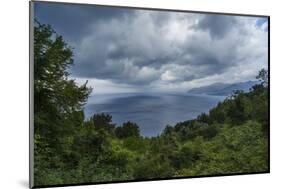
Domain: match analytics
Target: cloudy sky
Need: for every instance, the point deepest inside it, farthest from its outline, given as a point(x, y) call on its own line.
point(126, 50)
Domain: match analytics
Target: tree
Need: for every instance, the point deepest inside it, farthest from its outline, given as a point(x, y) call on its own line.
point(58, 102)
point(263, 76)
point(56, 98)
point(128, 129)
point(102, 122)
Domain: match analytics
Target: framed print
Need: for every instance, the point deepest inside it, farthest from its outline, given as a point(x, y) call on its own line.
point(122, 94)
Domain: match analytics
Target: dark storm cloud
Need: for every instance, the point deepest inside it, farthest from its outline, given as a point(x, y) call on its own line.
point(123, 47)
point(143, 48)
point(73, 20)
point(217, 25)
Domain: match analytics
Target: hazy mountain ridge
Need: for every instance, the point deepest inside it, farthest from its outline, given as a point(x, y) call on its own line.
point(223, 89)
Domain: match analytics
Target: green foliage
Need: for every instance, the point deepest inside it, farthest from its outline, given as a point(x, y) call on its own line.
point(58, 106)
point(102, 122)
point(263, 77)
point(150, 167)
point(231, 138)
point(128, 129)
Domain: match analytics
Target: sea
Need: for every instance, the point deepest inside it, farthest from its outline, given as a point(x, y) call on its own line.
point(151, 111)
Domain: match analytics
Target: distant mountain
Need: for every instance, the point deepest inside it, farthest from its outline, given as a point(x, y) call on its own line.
point(223, 89)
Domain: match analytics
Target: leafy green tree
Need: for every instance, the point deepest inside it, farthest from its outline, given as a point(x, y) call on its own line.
point(203, 117)
point(58, 102)
point(153, 167)
point(218, 114)
point(102, 122)
point(56, 98)
point(128, 129)
point(263, 77)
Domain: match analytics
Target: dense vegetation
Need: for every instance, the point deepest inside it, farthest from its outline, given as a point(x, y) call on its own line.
point(231, 138)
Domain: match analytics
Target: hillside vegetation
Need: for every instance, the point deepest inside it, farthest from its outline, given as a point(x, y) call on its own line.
point(230, 138)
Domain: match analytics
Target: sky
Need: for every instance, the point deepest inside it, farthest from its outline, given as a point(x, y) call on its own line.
point(120, 50)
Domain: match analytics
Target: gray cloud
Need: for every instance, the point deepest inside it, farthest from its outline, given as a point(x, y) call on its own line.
point(162, 49)
point(217, 25)
point(73, 21)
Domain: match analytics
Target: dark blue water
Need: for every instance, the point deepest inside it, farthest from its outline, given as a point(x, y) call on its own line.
point(152, 112)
